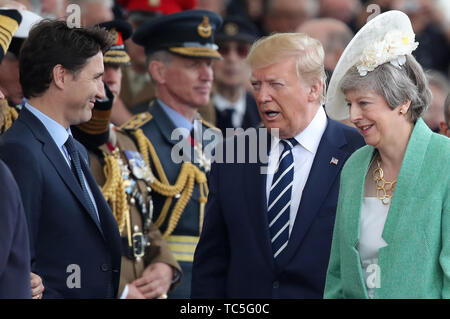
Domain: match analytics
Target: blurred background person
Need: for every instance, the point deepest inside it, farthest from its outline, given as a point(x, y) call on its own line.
point(10, 85)
point(440, 88)
point(445, 125)
point(251, 10)
point(94, 11)
point(49, 9)
point(344, 10)
point(334, 36)
point(159, 6)
point(9, 67)
point(136, 87)
point(234, 105)
point(287, 15)
point(217, 6)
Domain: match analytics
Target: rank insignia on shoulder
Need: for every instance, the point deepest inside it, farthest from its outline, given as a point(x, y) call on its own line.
point(138, 166)
point(136, 121)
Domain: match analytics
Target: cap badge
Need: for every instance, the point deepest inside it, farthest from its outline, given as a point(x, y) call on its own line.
point(204, 29)
point(114, 35)
point(154, 3)
point(231, 29)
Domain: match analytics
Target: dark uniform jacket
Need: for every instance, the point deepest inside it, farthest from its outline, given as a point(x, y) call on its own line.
point(158, 128)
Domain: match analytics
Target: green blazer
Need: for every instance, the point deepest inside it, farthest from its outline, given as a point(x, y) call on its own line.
point(416, 261)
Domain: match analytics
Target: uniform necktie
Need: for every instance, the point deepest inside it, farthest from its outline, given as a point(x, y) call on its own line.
point(76, 170)
point(280, 199)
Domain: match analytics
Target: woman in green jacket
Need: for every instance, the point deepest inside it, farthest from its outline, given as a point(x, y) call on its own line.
point(392, 230)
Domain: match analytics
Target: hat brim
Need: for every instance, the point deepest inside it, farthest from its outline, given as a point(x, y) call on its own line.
point(116, 57)
point(196, 52)
point(372, 31)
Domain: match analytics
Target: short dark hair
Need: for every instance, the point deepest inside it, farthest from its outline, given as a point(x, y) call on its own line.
point(53, 42)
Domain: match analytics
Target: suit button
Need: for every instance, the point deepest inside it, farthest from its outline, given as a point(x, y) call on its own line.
point(276, 284)
point(105, 267)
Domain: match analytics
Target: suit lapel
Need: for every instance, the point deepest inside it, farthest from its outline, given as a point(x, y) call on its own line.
point(321, 177)
point(55, 157)
point(407, 179)
point(255, 190)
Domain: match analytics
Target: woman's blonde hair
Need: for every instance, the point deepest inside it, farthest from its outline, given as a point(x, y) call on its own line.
point(279, 46)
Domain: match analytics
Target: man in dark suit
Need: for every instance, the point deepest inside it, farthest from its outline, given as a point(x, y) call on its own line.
point(74, 239)
point(268, 229)
point(234, 106)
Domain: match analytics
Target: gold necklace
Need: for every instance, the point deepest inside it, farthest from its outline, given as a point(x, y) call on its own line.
point(385, 189)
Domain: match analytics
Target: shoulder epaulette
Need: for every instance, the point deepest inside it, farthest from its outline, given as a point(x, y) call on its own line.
point(136, 121)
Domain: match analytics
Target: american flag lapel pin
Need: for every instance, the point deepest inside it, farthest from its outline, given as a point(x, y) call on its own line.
point(334, 161)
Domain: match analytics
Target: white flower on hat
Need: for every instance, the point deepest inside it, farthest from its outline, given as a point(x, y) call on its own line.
point(393, 48)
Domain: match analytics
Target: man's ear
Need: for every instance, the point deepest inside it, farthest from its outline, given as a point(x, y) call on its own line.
point(157, 70)
point(60, 76)
point(315, 90)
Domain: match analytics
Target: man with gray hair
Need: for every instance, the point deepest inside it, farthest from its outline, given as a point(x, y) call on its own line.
point(267, 233)
point(180, 49)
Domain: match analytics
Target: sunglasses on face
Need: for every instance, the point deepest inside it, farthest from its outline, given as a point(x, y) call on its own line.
point(240, 48)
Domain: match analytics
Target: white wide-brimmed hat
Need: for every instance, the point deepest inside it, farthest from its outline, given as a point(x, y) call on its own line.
point(388, 37)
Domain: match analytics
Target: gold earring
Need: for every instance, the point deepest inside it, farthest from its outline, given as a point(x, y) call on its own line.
point(401, 112)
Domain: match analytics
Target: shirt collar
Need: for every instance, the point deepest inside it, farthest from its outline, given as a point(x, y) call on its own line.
point(177, 119)
point(310, 137)
point(223, 104)
point(58, 133)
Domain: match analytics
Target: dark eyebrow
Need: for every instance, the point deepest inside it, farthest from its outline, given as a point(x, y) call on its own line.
point(100, 74)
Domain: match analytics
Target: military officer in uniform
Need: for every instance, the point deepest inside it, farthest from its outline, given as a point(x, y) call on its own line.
point(12, 95)
point(148, 267)
point(180, 49)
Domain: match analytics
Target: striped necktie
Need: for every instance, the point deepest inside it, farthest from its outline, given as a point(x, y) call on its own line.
point(280, 199)
point(77, 171)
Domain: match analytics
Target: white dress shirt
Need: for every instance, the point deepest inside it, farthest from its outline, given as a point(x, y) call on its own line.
point(303, 154)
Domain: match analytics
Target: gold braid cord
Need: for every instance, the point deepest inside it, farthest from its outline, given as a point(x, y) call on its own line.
point(184, 185)
point(7, 117)
point(114, 191)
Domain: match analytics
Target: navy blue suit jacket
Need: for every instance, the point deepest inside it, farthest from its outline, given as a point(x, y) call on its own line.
point(14, 246)
point(64, 237)
point(234, 257)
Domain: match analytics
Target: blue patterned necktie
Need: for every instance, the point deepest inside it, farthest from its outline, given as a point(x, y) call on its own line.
point(76, 170)
point(280, 199)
